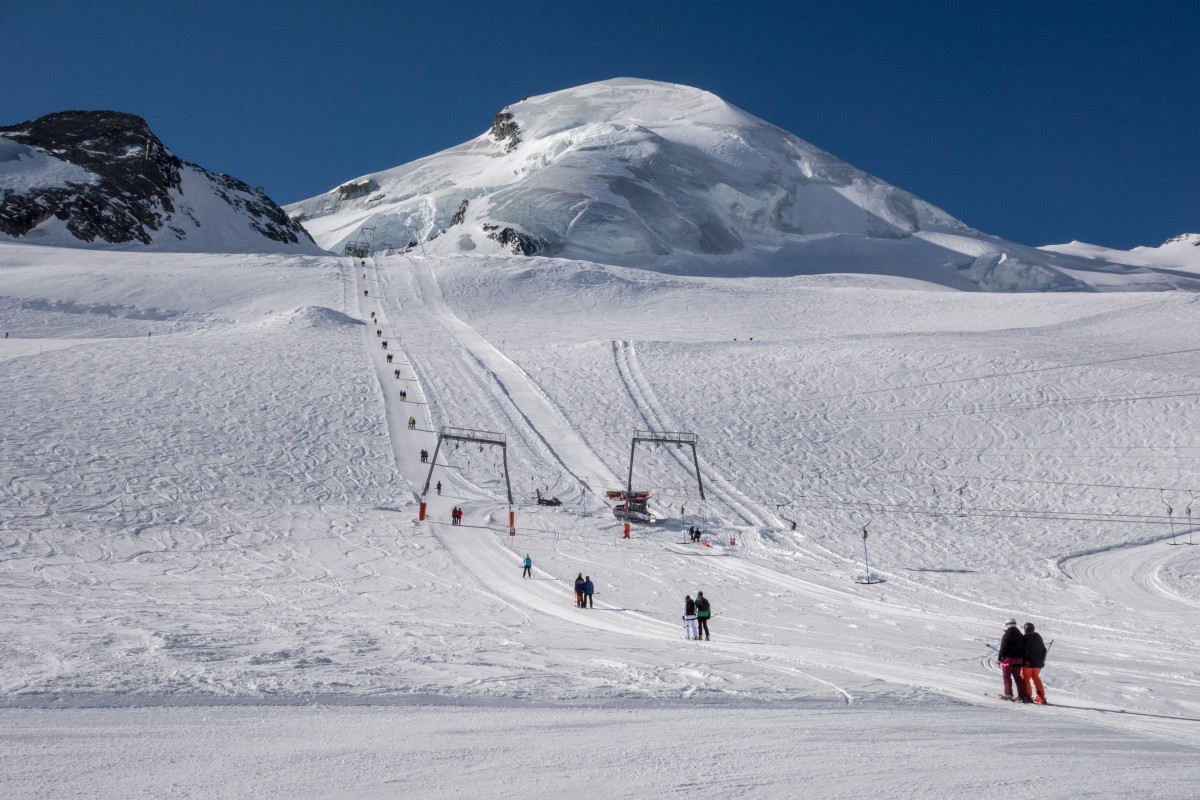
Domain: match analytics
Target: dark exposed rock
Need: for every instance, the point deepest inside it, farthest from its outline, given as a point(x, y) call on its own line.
point(520, 243)
point(461, 214)
point(135, 185)
point(505, 129)
point(353, 189)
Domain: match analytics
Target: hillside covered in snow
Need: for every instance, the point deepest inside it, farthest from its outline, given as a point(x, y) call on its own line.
point(216, 580)
point(672, 179)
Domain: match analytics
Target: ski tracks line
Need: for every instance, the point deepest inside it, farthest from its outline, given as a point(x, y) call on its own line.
point(648, 407)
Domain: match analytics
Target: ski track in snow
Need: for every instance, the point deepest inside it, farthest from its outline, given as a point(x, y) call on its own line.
point(641, 397)
point(225, 513)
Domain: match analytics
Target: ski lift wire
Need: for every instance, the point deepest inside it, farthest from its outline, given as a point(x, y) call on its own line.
point(1001, 375)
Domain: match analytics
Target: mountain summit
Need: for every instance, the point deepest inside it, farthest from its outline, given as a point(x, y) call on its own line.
point(103, 178)
point(669, 178)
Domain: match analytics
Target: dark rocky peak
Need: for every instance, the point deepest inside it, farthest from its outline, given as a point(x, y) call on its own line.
point(136, 191)
point(110, 144)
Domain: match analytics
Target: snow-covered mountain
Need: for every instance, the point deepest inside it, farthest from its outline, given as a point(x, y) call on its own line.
point(103, 179)
point(670, 178)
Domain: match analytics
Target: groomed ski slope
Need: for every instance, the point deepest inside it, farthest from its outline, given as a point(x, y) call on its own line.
point(211, 546)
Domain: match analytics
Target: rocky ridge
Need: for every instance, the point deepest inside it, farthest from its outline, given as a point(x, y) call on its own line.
point(123, 185)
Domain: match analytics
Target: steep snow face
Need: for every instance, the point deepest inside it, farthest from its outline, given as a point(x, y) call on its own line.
point(102, 179)
point(669, 178)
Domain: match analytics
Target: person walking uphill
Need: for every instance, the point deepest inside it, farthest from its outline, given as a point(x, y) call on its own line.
point(1011, 656)
point(1035, 659)
point(703, 612)
point(690, 631)
point(579, 590)
point(527, 568)
point(588, 589)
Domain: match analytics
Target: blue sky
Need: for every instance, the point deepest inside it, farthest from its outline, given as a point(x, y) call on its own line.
point(1038, 122)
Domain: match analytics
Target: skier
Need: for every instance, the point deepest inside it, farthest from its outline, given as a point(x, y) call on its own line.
point(412, 423)
point(424, 455)
point(527, 569)
point(378, 333)
point(1011, 656)
point(395, 372)
point(389, 358)
point(1035, 659)
point(579, 590)
point(439, 488)
point(691, 533)
point(690, 631)
point(703, 612)
point(588, 589)
point(385, 344)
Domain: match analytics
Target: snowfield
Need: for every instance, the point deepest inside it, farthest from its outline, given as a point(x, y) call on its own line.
point(216, 584)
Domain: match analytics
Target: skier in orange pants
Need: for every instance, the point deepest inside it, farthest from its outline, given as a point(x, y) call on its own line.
point(1035, 659)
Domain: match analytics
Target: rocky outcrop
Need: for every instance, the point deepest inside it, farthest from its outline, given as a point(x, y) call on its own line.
point(125, 185)
point(352, 189)
point(518, 242)
point(461, 214)
point(1190, 238)
point(506, 131)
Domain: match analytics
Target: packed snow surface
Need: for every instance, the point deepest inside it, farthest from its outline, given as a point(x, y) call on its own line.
point(216, 584)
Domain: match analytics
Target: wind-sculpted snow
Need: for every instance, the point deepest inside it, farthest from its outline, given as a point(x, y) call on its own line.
point(313, 317)
point(224, 514)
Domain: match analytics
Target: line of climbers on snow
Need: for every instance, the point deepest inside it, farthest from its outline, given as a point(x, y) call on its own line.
point(456, 513)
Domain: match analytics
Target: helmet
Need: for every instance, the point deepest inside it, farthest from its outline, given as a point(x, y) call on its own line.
point(1011, 623)
point(1029, 627)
